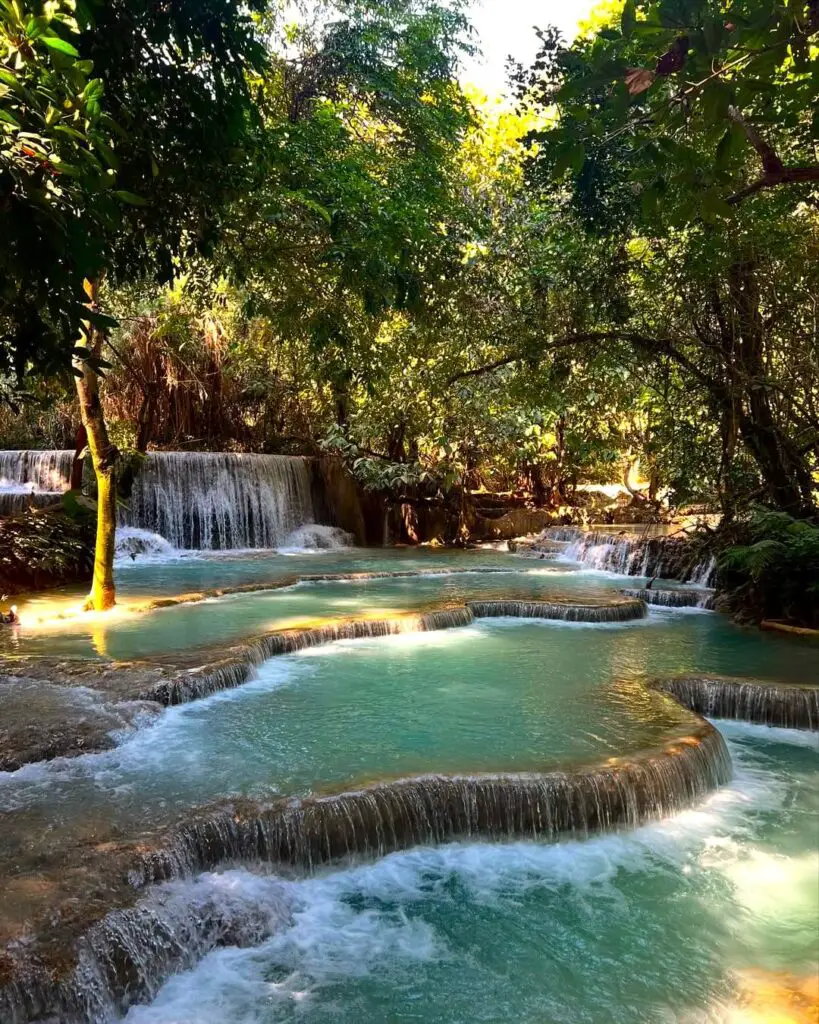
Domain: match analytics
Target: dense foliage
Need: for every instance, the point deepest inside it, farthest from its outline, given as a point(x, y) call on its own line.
point(45, 548)
point(313, 239)
point(771, 571)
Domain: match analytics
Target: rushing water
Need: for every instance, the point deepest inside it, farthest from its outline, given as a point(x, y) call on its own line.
point(673, 922)
point(190, 500)
point(676, 922)
point(32, 478)
point(229, 619)
point(210, 501)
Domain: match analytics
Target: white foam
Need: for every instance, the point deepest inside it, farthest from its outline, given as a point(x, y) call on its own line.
point(134, 545)
point(408, 640)
point(767, 733)
point(314, 537)
point(355, 923)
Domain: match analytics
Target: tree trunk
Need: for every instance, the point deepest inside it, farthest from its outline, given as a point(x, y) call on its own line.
point(104, 458)
point(145, 418)
point(783, 468)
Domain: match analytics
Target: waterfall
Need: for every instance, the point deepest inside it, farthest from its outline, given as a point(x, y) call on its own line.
point(622, 610)
point(235, 671)
point(699, 598)
point(126, 957)
point(128, 954)
point(33, 478)
point(665, 557)
point(790, 707)
point(221, 501)
point(240, 667)
point(434, 809)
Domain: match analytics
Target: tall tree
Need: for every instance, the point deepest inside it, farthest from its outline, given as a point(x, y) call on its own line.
point(163, 137)
point(683, 142)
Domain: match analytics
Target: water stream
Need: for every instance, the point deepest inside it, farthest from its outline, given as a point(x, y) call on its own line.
point(691, 921)
point(344, 752)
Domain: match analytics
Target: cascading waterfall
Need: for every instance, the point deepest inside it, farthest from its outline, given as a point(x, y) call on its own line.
point(790, 707)
point(127, 955)
point(673, 598)
point(219, 501)
point(384, 817)
point(237, 670)
point(615, 611)
point(33, 478)
point(665, 557)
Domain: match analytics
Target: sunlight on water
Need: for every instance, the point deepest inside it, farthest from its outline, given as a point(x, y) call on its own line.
point(484, 932)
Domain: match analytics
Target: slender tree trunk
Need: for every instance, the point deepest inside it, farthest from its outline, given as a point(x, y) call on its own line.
point(145, 418)
point(104, 458)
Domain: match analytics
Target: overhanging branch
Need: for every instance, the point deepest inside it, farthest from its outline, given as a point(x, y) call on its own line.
point(636, 339)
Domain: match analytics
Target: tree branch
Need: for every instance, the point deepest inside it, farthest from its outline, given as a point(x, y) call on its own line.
point(774, 171)
point(638, 340)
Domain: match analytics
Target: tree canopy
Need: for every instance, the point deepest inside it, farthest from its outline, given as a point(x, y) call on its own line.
point(314, 239)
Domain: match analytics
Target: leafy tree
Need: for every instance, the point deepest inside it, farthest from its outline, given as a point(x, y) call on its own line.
point(171, 116)
point(771, 569)
point(683, 147)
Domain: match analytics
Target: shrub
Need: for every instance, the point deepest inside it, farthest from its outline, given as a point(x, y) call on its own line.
point(773, 572)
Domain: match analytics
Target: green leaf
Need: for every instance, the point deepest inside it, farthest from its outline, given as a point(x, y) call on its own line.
point(36, 27)
point(130, 198)
point(716, 98)
point(60, 45)
point(101, 320)
point(713, 207)
point(9, 118)
point(650, 199)
point(729, 146)
point(570, 157)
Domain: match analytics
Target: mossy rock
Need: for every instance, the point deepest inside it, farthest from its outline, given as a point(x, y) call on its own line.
point(42, 548)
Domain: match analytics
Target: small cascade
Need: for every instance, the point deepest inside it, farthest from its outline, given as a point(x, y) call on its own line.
point(219, 501)
point(446, 618)
point(127, 956)
point(623, 610)
point(379, 819)
point(663, 557)
point(789, 707)
point(238, 670)
point(394, 574)
point(699, 598)
point(133, 544)
point(314, 537)
point(706, 574)
point(33, 478)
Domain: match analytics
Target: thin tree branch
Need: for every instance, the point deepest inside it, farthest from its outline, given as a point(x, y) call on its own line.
point(774, 171)
point(640, 341)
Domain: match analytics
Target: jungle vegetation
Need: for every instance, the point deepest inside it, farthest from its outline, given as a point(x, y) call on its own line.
point(224, 229)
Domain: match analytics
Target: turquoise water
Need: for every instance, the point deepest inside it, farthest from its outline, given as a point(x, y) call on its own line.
point(659, 925)
point(665, 924)
point(215, 623)
point(233, 617)
point(501, 694)
point(488, 697)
